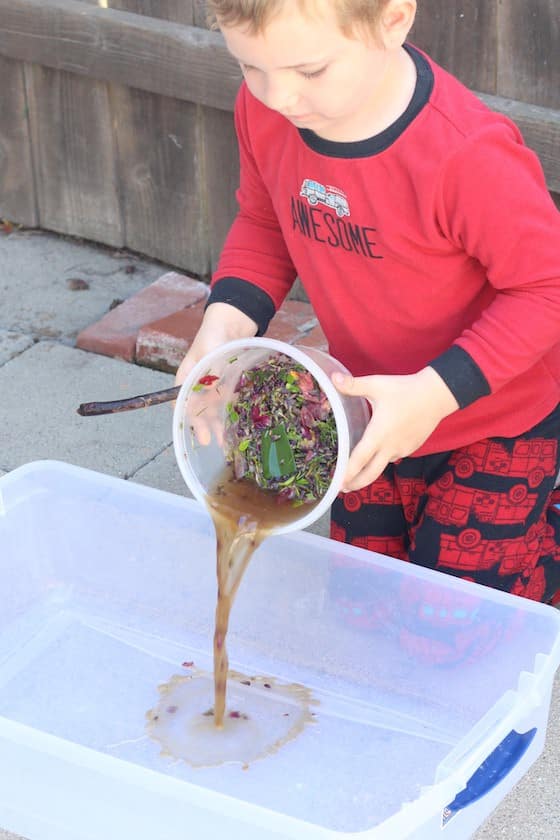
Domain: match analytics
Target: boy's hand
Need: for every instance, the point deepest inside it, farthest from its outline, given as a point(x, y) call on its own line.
point(405, 411)
point(221, 323)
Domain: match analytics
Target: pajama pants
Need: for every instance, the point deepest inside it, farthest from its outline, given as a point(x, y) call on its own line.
point(485, 512)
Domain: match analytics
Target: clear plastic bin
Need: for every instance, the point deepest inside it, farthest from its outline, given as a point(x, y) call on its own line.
point(433, 695)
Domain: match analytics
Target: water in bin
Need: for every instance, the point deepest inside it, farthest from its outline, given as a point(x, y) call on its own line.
point(262, 438)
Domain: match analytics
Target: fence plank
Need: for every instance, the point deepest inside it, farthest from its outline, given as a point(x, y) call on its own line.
point(157, 141)
point(541, 131)
point(178, 11)
point(200, 13)
point(529, 52)
point(175, 160)
point(218, 150)
point(184, 62)
point(461, 37)
point(17, 196)
point(73, 155)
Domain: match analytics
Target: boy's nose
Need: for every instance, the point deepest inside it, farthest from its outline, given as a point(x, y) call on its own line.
point(280, 96)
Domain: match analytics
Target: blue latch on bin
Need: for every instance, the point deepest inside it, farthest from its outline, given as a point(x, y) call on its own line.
point(492, 770)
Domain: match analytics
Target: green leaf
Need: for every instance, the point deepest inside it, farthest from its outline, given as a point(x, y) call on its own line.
point(287, 481)
point(276, 455)
point(232, 414)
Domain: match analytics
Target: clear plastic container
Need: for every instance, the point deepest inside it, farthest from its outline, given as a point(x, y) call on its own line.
point(109, 589)
point(201, 463)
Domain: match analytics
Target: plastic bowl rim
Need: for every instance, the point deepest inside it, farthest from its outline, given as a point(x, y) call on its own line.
point(335, 400)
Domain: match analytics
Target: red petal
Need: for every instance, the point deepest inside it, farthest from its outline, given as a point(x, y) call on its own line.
point(260, 421)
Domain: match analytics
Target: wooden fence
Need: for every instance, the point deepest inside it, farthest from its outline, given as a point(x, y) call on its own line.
point(116, 124)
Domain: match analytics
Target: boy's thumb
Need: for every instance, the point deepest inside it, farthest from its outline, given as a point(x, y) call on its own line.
point(344, 383)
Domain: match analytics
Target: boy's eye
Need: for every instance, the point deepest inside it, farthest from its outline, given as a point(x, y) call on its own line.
point(246, 68)
point(314, 74)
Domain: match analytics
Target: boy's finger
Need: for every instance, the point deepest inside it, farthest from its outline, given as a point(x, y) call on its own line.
point(354, 386)
point(359, 473)
point(370, 472)
point(217, 427)
point(360, 457)
point(345, 383)
point(201, 431)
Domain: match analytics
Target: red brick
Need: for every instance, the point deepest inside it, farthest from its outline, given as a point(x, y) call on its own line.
point(316, 338)
point(292, 321)
point(163, 343)
point(116, 333)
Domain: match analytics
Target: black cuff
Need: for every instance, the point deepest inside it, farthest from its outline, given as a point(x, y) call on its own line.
point(246, 297)
point(462, 375)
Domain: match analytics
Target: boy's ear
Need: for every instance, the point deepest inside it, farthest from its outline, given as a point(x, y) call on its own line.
point(396, 22)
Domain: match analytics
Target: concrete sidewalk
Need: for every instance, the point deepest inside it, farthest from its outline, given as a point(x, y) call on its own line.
point(51, 290)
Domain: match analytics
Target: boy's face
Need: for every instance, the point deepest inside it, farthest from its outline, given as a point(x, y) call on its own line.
point(305, 68)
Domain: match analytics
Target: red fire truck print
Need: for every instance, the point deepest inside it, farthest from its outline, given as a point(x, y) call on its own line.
point(384, 492)
point(533, 459)
point(534, 588)
point(391, 546)
point(452, 504)
point(445, 628)
point(411, 492)
point(337, 532)
point(468, 552)
point(381, 492)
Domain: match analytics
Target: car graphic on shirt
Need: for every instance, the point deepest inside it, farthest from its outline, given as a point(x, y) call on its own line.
point(317, 193)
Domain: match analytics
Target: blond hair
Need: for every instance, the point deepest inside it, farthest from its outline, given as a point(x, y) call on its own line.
point(257, 14)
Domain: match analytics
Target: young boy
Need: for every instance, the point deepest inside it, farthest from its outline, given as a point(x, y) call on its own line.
point(422, 230)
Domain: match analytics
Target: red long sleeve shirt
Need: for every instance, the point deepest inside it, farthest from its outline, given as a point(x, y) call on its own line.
point(435, 242)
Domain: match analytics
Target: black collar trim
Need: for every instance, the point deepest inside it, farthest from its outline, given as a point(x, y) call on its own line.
point(379, 142)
